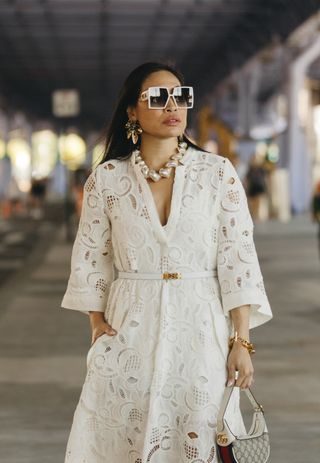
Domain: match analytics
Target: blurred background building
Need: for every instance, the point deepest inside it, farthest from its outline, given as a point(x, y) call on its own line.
point(255, 67)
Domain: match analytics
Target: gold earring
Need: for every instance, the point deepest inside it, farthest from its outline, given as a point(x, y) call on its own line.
point(133, 130)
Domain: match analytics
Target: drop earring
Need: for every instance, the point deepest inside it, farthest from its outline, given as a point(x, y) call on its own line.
point(133, 130)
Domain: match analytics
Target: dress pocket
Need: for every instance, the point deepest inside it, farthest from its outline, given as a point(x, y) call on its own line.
point(93, 347)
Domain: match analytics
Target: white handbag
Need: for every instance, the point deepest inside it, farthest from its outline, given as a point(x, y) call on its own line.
point(253, 447)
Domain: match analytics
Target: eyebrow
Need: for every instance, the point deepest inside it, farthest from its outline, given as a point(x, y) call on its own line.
point(170, 88)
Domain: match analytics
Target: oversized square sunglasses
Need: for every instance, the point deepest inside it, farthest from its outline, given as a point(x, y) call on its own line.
point(158, 97)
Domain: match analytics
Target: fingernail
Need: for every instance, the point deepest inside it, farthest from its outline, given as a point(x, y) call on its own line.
point(230, 382)
point(113, 332)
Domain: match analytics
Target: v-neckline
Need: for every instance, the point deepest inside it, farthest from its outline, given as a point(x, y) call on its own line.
point(154, 205)
point(164, 231)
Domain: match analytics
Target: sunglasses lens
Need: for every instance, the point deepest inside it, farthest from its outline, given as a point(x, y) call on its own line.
point(183, 96)
point(158, 97)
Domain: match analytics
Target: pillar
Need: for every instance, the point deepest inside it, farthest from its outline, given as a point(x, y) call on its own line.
point(299, 157)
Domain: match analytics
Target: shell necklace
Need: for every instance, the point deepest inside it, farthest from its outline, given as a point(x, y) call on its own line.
point(165, 171)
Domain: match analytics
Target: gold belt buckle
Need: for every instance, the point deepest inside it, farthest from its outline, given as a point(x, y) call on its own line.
point(171, 276)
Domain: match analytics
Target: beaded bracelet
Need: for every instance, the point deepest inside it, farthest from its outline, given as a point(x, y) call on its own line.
point(248, 345)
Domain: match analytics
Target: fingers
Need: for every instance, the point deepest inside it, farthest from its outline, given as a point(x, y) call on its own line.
point(245, 378)
point(109, 330)
point(101, 329)
point(240, 370)
point(231, 375)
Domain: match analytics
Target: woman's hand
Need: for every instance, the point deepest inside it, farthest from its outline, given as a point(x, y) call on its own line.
point(99, 326)
point(239, 360)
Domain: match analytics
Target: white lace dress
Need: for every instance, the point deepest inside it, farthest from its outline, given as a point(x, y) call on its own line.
point(152, 392)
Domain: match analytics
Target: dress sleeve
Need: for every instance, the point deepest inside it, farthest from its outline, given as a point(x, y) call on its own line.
point(239, 272)
point(92, 269)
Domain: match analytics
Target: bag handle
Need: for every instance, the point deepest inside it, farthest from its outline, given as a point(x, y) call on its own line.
point(258, 422)
point(226, 399)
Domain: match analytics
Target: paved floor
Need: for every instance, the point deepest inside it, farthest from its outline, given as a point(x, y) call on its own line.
point(43, 349)
point(17, 239)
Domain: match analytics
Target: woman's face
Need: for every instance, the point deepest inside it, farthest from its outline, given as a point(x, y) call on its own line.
point(156, 122)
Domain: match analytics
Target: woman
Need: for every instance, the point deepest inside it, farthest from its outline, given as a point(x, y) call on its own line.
point(256, 183)
point(166, 268)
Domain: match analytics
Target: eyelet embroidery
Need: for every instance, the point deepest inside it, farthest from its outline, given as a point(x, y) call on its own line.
point(214, 230)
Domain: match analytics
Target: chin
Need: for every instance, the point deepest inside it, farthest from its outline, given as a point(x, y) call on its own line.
point(173, 132)
point(167, 132)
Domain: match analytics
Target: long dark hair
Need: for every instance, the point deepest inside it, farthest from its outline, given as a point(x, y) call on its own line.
point(117, 146)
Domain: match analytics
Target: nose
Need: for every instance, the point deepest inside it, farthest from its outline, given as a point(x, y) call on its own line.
point(171, 105)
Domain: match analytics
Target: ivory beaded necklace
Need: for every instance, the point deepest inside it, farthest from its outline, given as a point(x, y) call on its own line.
point(165, 171)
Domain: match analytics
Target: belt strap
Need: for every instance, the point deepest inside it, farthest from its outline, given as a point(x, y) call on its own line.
point(167, 275)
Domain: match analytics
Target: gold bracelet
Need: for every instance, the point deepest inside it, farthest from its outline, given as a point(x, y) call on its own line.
point(248, 345)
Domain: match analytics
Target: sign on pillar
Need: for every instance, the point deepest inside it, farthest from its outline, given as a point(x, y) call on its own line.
point(65, 103)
